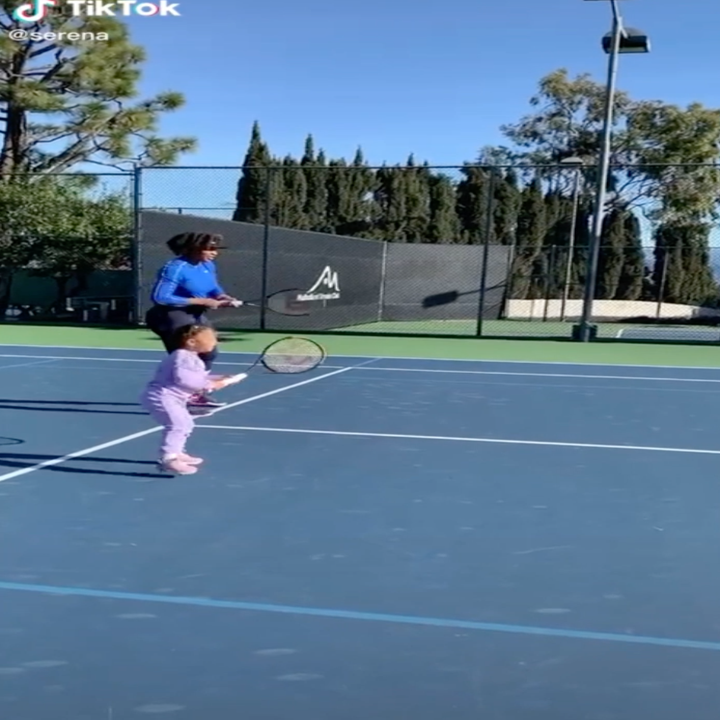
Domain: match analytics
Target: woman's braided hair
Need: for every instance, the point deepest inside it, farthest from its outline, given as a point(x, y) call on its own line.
point(188, 242)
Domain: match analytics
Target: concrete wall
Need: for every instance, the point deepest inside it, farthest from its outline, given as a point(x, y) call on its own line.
point(604, 310)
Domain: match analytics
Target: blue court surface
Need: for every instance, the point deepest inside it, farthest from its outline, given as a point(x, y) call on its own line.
point(380, 539)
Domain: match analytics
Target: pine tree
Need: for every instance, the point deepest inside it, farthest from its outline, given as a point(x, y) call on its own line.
point(252, 192)
point(531, 232)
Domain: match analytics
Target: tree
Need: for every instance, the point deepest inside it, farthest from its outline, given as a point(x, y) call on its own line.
point(52, 228)
point(472, 204)
point(682, 264)
point(288, 210)
point(664, 157)
point(443, 225)
point(68, 102)
point(256, 182)
point(316, 196)
point(531, 230)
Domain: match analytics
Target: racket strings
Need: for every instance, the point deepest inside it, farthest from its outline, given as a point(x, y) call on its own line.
point(292, 355)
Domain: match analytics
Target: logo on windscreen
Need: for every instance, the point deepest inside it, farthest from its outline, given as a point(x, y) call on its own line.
point(326, 287)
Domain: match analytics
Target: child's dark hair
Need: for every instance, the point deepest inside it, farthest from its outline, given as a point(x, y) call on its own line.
point(188, 332)
point(189, 242)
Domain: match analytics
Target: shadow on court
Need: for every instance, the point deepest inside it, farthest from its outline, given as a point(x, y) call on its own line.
point(69, 406)
point(20, 461)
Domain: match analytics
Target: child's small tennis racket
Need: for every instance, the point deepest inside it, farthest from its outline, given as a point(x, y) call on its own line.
point(287, 356)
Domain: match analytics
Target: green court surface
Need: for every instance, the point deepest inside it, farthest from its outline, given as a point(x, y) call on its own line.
point(558, 351)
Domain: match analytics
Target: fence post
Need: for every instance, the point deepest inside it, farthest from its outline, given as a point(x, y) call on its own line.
point(489, 225)
point(136, 255)
point(661, 286)
point(383, 277)
point(265, 249)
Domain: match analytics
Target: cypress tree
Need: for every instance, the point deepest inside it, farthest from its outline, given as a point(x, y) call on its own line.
point(531, 230)
point(359, 209)
point(391, 200)
point(251, 193)
point(316, 190)
point(682, 252)
point(417, 199)
point(444, 224)
point(632, 276)
point(337, 192)
point(289, 207)
point(611, 257)
point(506, 208)
point(472, 204)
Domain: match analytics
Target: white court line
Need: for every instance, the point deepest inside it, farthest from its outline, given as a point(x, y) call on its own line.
point(546, 375)
point(143, 433)
point(401, 370)
point(46, 361)
point(498, 441)
point(413, 358)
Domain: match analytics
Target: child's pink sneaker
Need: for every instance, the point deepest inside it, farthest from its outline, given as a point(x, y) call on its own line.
point(189, 459)
point(176, 466)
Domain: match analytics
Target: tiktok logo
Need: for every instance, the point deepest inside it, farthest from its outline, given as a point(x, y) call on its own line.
point(33, 11)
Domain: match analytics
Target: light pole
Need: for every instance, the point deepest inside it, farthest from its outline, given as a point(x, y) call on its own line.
point(619, 41)
point(576, 163)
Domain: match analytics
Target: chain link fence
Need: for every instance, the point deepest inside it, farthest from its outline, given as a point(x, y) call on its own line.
point(509, 245)
point(408, 250)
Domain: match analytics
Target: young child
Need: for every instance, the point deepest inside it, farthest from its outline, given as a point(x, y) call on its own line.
point(180, 375)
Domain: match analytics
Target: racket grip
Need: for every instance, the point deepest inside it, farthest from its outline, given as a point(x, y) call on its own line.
point(237, 303)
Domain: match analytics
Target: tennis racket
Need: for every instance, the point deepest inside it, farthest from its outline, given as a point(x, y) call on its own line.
point(287, 356)
point(283, 302)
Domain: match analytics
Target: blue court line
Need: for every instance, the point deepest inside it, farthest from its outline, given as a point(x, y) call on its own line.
point(363, 616)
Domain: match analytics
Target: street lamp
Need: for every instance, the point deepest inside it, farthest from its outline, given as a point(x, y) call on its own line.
point(618, 42)
point(576, 164)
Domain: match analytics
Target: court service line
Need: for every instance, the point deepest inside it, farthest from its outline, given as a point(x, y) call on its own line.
point(395, 369)
point(412, 358)
point(545, 375)
point(450, 438)
point(363, 616)
point(134, 436)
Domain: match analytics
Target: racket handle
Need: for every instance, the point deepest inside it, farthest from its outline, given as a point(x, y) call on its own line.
point(237, 303)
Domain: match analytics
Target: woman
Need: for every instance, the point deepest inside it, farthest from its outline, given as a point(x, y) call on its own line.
point(186, 287)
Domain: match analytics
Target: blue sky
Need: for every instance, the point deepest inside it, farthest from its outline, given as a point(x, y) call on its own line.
point(433, 78)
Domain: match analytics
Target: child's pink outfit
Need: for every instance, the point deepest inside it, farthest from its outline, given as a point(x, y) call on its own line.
point(179, 376)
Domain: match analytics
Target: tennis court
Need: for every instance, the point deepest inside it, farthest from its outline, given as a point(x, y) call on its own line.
point(383, 538)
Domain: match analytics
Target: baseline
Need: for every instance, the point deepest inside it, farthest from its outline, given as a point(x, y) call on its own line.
point(450, 438)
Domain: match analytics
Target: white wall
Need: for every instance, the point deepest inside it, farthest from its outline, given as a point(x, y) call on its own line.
point(608, 309)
